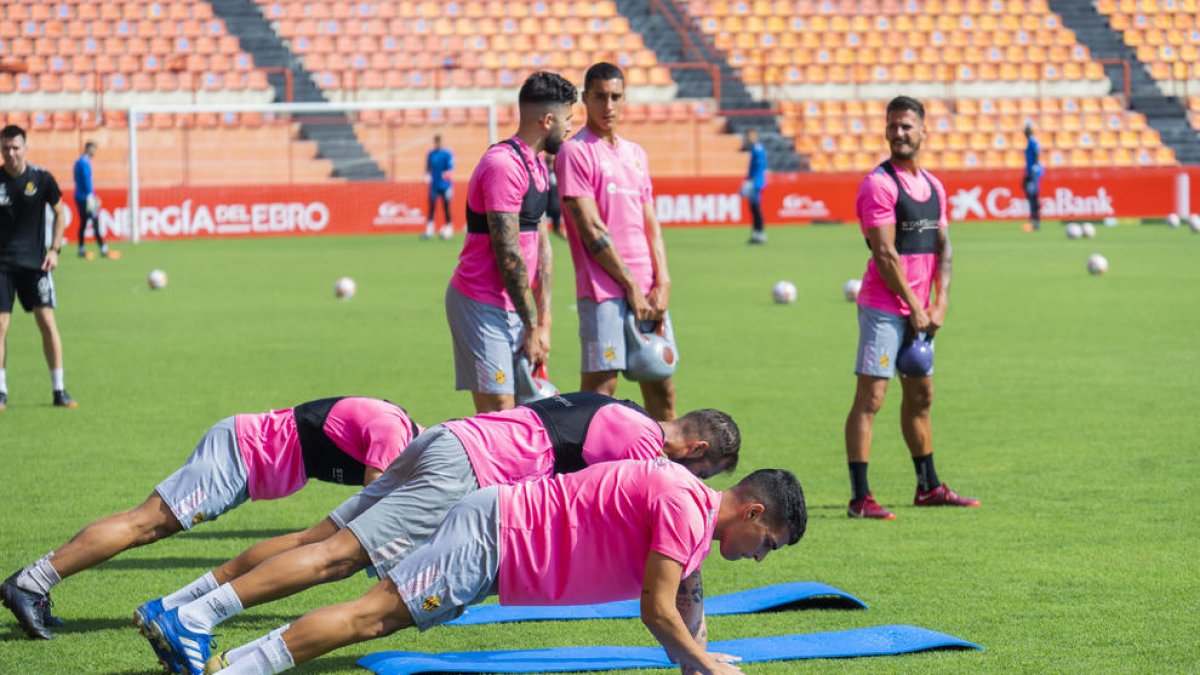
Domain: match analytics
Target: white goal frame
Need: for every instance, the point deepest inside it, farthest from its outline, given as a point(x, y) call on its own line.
point(136, 111)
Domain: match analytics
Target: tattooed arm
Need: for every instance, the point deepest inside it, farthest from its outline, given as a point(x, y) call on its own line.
point(661, 614)
point(505, 231)
point(689, 600)
point(593, 233)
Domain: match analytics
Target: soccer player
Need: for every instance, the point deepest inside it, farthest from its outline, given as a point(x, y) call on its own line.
point(389, 519)
point(489, 302)
point(610, 532)
point(25, 262)
point(902, 211)
point(262, 456)
point(86, 201)
point(1033, 176)
point(553, 204)
point(438, 165)
point(756, 180)
point(616, 241)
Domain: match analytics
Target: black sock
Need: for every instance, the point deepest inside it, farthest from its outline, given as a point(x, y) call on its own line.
point(926, 475)
point(858, 480)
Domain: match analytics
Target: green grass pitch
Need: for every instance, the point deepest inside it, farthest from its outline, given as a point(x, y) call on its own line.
point(1066, 402)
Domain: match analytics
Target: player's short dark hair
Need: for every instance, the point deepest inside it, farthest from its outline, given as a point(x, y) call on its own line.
point(720, 432)
point(88, 145)
point(547, 88)
point(780, 493)
point(602, 72)
point(12, 131)
point(901, 103)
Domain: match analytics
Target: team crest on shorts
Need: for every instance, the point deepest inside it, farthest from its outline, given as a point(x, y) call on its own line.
point(431, 603)
point(883, 360)
point(198, 518)
point(610, 354)
point(500, 377)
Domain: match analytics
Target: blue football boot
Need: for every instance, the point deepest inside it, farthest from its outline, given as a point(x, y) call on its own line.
point(187, 650)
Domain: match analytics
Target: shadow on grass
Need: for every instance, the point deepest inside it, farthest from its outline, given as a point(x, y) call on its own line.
point(334, 664)
point(237, 534)
point(162, 563)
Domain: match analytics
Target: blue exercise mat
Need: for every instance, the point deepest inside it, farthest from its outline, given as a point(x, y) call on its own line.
point(762, 599)
point(877, 641)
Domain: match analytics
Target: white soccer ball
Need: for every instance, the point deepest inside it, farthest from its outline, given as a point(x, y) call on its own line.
point(1097, 264)
point(1194, 222)
point(344, 288)
point(851, 289)
point(784, 292)
point(156, 280)
point(1089, 230)
point(446, 232)
point(1172, 220)
point(1074, 231)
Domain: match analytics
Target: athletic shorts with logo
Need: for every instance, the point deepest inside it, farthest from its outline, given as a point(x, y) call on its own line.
point(486, 338)
point(458, 566)
point(602, 334)
point(34, 288)
point(397, 512)
point(880, 335)
point(213, 481)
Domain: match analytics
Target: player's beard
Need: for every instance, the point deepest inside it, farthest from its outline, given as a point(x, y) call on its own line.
point(906, 155)
point(552, 144)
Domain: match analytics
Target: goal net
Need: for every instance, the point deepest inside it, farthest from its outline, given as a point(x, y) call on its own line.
point(236, 170)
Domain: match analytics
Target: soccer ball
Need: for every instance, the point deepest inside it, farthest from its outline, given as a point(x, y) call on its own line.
point(1088, 229)
point(157, 280)
point(1194, 223)
point(851, 289)
point(344, 288)
point(1074, 231)
point(446, 232)
point(784, 292)
point(1173, 220)
point(1097, 264)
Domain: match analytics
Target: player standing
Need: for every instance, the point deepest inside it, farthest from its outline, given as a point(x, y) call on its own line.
point(902, 212)
point(25, 262)
point(752, 188)
point(86, 201)
point(1033, 176)
point(616, 241)
point(506, 259)
point(438, 165)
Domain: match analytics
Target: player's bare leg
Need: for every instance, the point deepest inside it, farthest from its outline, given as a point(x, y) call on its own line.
point(51, 343)
point(105, 538)
point(378, 613)
point(915, 421)
point(332, 559)
point(493, 402)
point(868, 399)
point(268, 548)
point(602, 382)
point(659, 398)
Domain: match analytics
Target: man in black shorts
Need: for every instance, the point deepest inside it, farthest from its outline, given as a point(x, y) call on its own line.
point(25, 262)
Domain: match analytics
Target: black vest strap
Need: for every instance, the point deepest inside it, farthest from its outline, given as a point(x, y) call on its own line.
point(323, 459)
point(916, 222)
point(567, 418)
point(533, 204)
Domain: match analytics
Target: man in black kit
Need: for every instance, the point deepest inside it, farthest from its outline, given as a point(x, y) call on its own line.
point(25, 262)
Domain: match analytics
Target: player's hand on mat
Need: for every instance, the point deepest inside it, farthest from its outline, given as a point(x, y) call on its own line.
point(640, 307)
point(658, 297)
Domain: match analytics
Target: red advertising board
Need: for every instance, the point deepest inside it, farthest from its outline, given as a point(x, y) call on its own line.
point(365, 208)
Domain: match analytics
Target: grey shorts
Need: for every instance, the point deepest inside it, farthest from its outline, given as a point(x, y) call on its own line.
point(459, 565)
point(602, 334)
point(212, 481)
point(880, 335)
point(398, 511)
point(486, 338)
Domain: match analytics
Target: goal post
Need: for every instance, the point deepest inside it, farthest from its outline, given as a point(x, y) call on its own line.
point(184, 146)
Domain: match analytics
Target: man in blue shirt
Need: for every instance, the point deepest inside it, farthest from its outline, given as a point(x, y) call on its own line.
point(86, 201)
point(438, 165)
point(1033, 176)
point(756, 180)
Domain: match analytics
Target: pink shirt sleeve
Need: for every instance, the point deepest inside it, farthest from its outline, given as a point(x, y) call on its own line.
point(876, 202)
point(680, 532)
point(618, 432)
point(574, 168)
point(504, 181)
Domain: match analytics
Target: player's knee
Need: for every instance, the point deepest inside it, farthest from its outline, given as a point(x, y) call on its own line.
point(340, 556)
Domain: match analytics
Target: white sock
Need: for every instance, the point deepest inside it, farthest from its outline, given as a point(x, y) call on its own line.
point(39, 577)
point(255, 663)
point(56, 378)
point(239, 653)
point(270, 658)
point(277, 654)
point(193, 591)
point(429, 229)
point(202, 615)
point(3, 381)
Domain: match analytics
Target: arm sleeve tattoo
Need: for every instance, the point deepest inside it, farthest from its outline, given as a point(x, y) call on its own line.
point(505, 232)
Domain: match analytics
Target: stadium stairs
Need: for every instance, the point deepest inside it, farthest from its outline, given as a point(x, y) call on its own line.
point(1165, 114)
point(659, 35)
point(332, 132)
